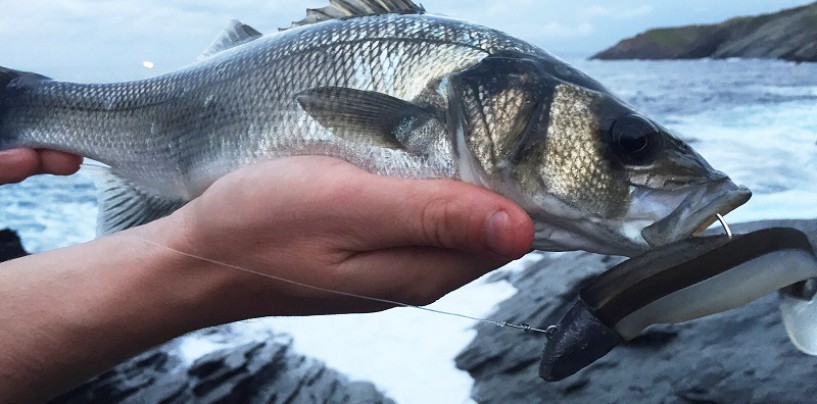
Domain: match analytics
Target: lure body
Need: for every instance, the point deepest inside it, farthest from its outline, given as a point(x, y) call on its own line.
point(685, 280)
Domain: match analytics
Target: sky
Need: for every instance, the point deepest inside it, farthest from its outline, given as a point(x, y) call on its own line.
point(110, 39)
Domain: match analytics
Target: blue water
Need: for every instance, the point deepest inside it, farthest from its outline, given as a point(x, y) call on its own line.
point(756, 120)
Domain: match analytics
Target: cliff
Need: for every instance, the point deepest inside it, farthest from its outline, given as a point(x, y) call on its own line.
point(789, 35)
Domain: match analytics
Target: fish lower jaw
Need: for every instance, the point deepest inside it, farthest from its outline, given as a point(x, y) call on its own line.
point(702, 228)
point(585, 237)
point(693, 217)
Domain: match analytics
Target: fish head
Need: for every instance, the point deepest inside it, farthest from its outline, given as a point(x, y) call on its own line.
point(593, 173)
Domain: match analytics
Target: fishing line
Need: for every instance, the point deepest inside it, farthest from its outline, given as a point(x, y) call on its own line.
point(502, 324)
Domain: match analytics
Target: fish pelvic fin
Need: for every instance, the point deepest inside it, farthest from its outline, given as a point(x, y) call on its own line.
point(12, 82)
point(340, 9)
point(123, 205)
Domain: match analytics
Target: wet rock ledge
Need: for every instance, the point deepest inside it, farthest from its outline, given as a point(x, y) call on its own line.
point(739, 356)
point(10, 245)
point(257, 370)
point(248, 369)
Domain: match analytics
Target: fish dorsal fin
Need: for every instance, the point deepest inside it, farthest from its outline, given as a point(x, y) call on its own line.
point(338, 9)
point(234, 34)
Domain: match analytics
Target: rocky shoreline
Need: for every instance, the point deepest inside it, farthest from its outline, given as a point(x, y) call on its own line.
point(11, 246)
point(247, 369)
point(788, 35)
point(260, 369)
point(742, 355)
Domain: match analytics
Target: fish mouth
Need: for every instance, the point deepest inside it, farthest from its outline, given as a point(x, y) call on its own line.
point(697, 212)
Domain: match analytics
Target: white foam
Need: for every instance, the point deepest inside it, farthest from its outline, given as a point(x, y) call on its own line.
point(408, 353)
point(50, 212)
point(769, 147)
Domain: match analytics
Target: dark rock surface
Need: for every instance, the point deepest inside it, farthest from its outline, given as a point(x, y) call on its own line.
point(248, 370)
point(10, 245)
point(741, 356)
point(789, 35)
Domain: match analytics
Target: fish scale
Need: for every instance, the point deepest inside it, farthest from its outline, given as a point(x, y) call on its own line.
point(396, 92)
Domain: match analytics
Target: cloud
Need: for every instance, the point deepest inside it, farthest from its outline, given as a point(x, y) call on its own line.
point(620, 13)
point(558, 30)
point(73, 39)
point(88, 36)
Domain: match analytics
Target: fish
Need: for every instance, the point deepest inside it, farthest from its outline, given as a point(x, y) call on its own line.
point(396, 91)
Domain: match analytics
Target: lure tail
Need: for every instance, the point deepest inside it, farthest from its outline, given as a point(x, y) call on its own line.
point(799, 310)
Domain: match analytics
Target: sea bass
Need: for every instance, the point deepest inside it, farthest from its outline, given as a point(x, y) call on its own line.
point(398, 92)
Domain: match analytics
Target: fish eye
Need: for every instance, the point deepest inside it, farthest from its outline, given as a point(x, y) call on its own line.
point(635, 139)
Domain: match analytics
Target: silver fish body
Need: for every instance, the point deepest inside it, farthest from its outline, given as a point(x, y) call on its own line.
point(396, 93)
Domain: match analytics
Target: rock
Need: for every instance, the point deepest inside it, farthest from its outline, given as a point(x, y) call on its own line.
point(253, 369)
point(249, 369)
point(742, 355)
point(10, 245)
point(789, 35)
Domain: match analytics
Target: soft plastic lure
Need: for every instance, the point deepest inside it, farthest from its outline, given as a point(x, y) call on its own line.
point(682, 281)
point(799, 309)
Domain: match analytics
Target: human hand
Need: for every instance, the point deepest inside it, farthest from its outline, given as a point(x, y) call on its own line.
point(19, 164)
point(326, 223)
point(313, 220)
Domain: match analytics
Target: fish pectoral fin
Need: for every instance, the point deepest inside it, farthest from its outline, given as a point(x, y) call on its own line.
point(363, 116)
point(234, 34)
point(123, 205)
point(338, 9)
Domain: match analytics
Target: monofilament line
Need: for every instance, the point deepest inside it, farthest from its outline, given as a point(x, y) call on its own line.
point(504, 324)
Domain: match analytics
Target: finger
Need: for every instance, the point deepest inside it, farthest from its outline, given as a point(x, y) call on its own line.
point(17, 164)
point(58, 163)
point(444, 214)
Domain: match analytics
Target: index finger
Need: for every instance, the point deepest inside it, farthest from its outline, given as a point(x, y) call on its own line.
point(17, 165)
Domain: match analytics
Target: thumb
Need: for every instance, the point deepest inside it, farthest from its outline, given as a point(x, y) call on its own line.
point(453, 215)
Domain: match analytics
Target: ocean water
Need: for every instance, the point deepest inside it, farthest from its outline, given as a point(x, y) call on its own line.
point(755, 120)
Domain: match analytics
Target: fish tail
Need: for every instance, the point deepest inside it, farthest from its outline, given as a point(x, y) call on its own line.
point(12, 84)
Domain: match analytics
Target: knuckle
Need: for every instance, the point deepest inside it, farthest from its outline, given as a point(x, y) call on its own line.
point(437, 217)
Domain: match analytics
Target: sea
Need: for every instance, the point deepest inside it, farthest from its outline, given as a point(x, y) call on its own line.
point(753, 119)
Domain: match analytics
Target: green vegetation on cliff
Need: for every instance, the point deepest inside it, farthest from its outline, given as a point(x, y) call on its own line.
point(789, 34)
